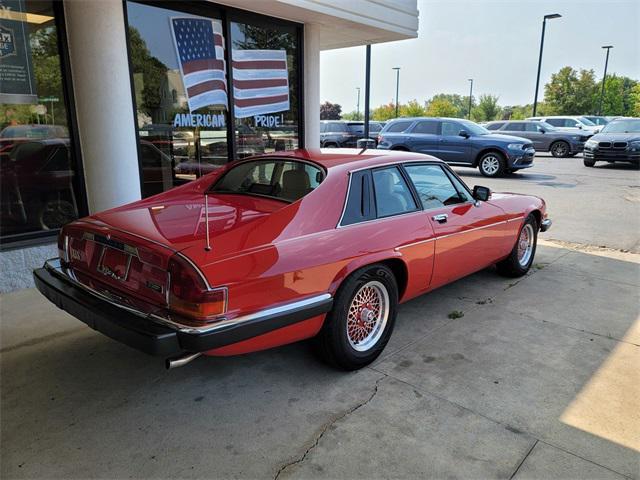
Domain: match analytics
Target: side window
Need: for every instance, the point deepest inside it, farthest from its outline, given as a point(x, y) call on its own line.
point(391, 192)
point(570, 122)
point(451, 128)
point(532, 127)
point(428, 127)
point(515, 127)
point(359, 208)
point(496, 126)
point(556, 122)
point(323, 127)
point(398, 127)
point(434, 186)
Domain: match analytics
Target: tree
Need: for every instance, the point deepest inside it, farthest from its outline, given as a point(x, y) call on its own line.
point(330, 111)
point(441, 107)
point(412, 109)
point(634, 97)
point(461, 103)
point(384, 112)
point(151, 71)
point(618, 99)
point(570, 92)
point(487, 109)
point(352, 116)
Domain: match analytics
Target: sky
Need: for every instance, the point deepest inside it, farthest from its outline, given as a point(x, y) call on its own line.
point(495, 42)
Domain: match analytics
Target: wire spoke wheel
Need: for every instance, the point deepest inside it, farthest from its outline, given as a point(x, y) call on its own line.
point(367, 316)
point(525, 245)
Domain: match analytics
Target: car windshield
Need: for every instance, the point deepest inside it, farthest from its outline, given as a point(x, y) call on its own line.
point(586, 121)
point(622, 126)
point(286, 180)
point(474, 128)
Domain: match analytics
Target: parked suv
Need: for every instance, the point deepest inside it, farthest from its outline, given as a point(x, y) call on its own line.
point(459, 142)
point(619, 141)
point(338, 133)
point(571, 123)
point(545, 137)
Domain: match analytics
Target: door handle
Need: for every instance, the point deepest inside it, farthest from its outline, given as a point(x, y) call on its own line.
point(441, 218)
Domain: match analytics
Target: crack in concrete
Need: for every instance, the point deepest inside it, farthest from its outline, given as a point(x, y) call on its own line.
point(326, 427)
point(522, 461)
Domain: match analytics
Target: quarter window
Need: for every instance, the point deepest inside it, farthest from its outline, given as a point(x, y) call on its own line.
point(398, 127)
point(434, 186)
point(392, 193)
point(359, 207)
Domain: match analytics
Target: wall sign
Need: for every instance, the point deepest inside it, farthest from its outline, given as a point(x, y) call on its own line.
point(17, 83)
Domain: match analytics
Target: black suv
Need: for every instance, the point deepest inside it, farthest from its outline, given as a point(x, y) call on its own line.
point(619, 141)
point(338, 133)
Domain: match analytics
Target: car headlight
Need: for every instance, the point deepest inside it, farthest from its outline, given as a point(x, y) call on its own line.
point(634, 146)
point(575, 137)
point(515, 146)
point(591, 143)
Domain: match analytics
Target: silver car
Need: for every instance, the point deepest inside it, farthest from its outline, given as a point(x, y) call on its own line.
point(545, 137)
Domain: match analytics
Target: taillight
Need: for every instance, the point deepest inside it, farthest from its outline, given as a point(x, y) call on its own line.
point(189, 294)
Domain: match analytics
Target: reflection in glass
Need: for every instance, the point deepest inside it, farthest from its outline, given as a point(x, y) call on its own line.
point(38, 172)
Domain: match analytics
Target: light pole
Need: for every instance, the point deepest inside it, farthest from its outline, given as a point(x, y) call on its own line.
point(358, 105)
point(470, 96)
point(397, 69)
point(604, 77)
point(544, 24)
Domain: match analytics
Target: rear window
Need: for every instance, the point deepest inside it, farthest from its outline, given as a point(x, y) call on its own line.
point(397, 127)
point(430, 127)
point(286, 180)
point(494, 126)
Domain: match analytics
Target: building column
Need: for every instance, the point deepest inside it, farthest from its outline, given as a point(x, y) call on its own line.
point(104, 107)
point(311, 85)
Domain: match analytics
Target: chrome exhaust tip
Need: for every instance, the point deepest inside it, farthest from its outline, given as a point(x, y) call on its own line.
point(172, 363)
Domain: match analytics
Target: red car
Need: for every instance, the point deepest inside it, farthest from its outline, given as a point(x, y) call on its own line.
point(287, 246)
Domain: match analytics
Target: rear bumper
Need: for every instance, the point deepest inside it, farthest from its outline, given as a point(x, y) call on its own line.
point(157, 336)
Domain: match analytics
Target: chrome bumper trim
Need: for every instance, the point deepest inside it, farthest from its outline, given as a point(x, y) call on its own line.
point(54, 266)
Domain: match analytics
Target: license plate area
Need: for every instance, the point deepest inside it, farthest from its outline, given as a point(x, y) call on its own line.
point(114, 263)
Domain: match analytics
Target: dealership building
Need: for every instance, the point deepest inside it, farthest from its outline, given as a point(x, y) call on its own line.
point(105, 102)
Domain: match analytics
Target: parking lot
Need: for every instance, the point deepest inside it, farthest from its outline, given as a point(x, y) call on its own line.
point(485, 378)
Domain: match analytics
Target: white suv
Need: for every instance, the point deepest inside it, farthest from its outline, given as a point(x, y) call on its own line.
point(572, 123)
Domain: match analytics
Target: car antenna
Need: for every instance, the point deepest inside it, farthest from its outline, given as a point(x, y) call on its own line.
point(207, 247)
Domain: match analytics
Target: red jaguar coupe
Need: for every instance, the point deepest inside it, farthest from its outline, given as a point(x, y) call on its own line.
point(278, 248)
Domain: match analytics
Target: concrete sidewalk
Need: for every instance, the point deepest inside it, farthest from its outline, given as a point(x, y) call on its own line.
point(539, 379)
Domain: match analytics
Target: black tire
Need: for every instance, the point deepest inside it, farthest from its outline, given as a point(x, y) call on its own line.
point(492, 164)
point(513, 266)
point(589, 162)
point(330, 145)
point(560, 149)
point(333, 343)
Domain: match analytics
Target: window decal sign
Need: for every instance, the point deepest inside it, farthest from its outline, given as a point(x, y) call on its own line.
point(260, 82)
point(17, 83)
point(200, 48)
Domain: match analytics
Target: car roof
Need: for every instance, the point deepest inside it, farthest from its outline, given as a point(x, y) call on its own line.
point(355, 158)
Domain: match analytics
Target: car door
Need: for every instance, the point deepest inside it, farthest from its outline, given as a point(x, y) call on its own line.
point(425, 137)
point(453, 147)
point(535, 133)
point(469, 235)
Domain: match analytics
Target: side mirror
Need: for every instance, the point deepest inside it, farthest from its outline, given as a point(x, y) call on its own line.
point(580, 126)
point(463, 133)
point(481, 193)
point(542, 130)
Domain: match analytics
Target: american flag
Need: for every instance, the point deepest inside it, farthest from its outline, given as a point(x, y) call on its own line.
point(200, 48)
point(260, 82)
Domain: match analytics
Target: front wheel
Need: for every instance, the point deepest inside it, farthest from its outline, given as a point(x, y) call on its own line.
point(492, 164)
point(560, 149)
point(359, 326)
point(520, 259)
point(588, 162)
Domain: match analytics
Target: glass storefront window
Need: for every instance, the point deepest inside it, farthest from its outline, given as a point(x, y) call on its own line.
point(179, 76)
point(39, 175)
point(179, 66)
point(265, 87)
